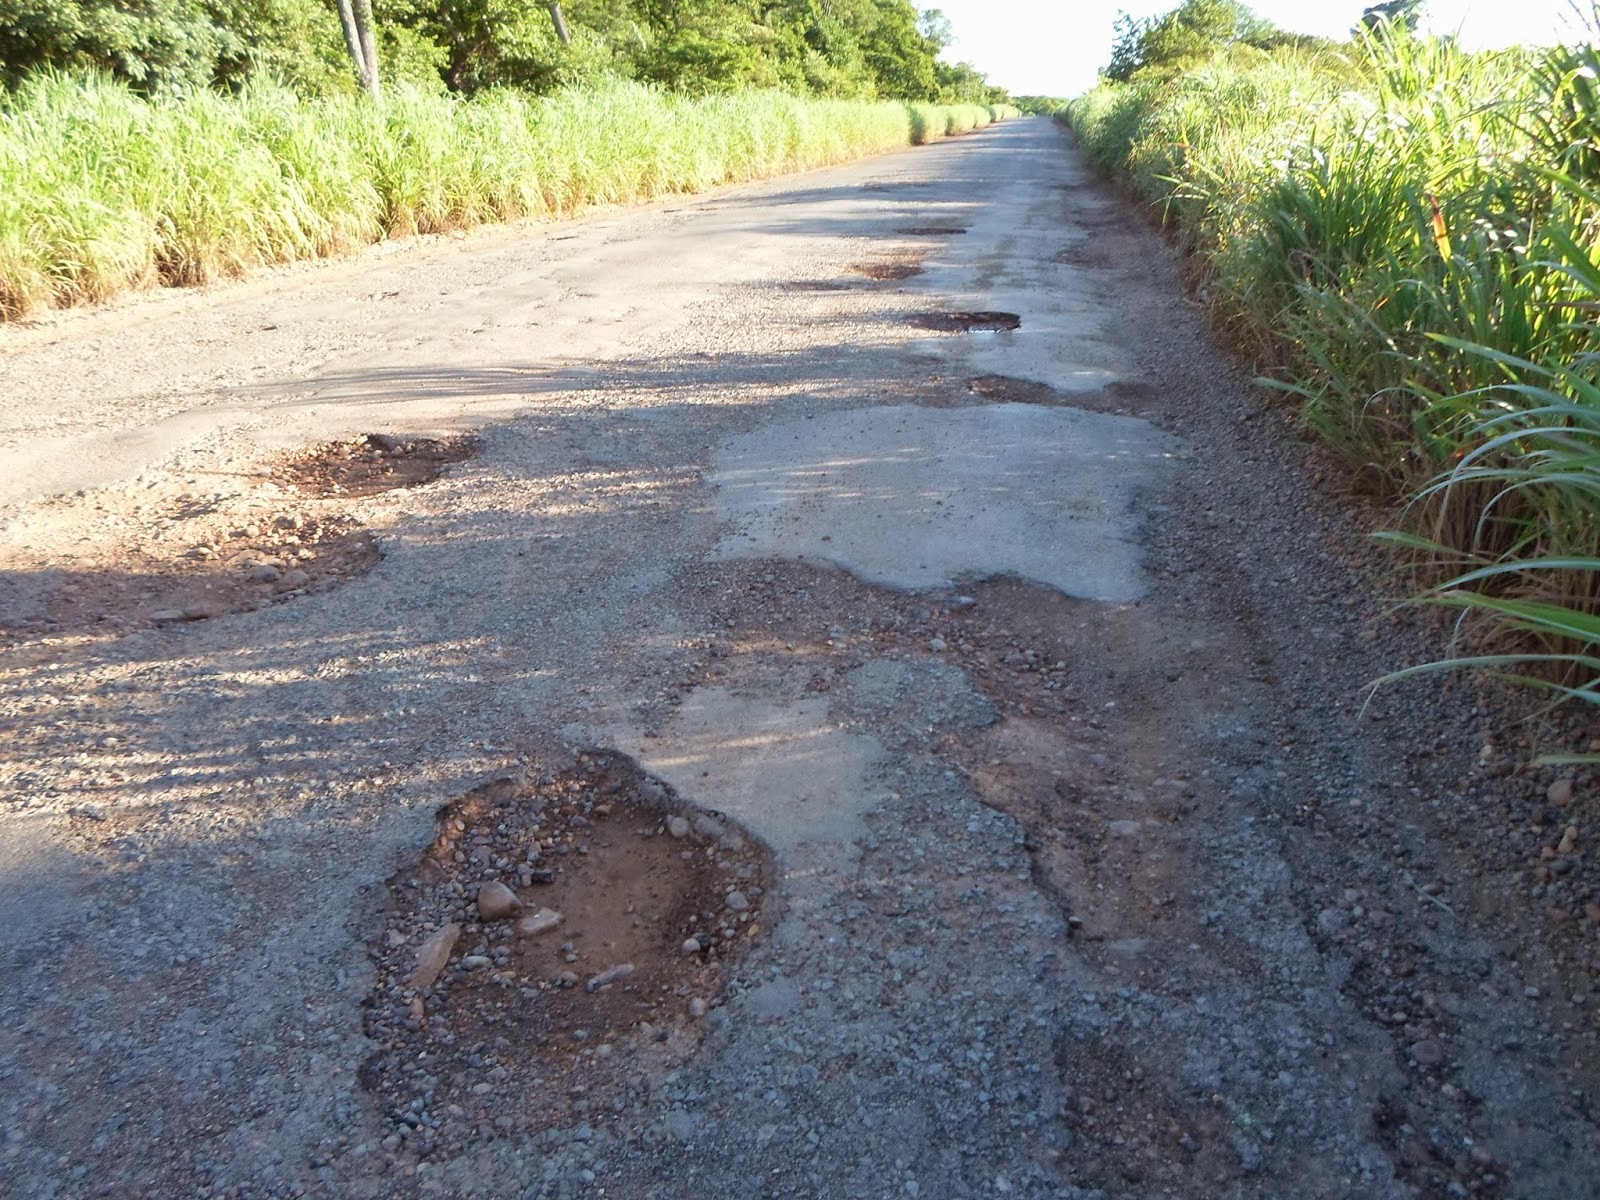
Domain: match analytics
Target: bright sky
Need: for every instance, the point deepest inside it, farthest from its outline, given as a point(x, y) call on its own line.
point(1053, 47)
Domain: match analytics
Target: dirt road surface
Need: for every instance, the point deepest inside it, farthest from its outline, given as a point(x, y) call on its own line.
point(831, 688)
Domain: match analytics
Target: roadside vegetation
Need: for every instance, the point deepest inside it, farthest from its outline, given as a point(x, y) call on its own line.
point(1402, 235)
point(149, 142)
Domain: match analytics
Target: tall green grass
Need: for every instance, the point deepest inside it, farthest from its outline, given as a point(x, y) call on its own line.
point(102, 191)
point(1403, 235)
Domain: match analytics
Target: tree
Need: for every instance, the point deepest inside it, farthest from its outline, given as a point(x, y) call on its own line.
point(172, 45)
point(356, 18)
point(562, 33)
point(1398, 13)
point(1189, 34)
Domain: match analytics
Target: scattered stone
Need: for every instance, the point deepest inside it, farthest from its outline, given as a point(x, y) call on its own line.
point(540, 920)
point(737, 901)
point(1560, 792)
point(609, 975)
point(496, 901)
point(698, 1008)
point(295, 578)
point(691, 946)
point(1427, 1053)
point(937, 645)
point(1569, 840)
point(475, 962)
point(263, 573)
point(432, 956)
point(678, 827)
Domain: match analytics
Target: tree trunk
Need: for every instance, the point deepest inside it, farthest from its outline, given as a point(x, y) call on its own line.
point(561, 22)
point(356, 17)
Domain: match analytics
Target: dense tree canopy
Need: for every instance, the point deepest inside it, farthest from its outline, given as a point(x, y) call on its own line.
point(1188, 35)
point(854, 48)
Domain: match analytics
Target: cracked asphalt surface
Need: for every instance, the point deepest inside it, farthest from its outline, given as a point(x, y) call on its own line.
point(1035, 657)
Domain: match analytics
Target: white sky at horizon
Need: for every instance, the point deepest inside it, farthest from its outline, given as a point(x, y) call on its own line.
point(1055, 47)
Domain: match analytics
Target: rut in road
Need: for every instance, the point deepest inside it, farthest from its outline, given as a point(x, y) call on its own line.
point(955, 731)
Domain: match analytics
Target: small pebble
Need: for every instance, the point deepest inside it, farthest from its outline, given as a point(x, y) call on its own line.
point(609, 975)
point(678, 827)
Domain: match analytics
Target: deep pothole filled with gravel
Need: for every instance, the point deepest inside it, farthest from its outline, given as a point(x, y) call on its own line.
point(562, 943)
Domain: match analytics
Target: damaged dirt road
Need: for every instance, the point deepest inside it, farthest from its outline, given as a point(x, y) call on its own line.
point(826, 689)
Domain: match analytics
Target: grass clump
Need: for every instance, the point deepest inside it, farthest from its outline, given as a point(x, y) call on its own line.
point(103, 190)
point(1402, 234)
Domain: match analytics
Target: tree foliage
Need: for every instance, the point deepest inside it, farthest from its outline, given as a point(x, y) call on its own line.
point(1406, 13)
point(1188, 35)
point(849, 48)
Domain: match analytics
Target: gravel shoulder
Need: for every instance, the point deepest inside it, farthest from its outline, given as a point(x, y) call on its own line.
point(991, 706)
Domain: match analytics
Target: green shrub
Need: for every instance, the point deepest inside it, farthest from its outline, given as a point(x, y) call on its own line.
point(102, 190)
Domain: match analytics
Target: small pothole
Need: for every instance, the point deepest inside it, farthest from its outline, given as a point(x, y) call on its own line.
point(1006, 389)
point(932, 230)
point(1126, 397)
point(888, 272)
point(620, 914)
point(373, 463)
point(968, 322)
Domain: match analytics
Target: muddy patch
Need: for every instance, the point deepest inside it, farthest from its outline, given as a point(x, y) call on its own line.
point(373, 463)
point(164, 584)
point(888, 272)
point(968, 322)
point(560, 945)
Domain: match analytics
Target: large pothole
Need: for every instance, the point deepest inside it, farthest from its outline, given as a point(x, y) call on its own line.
point(373, 463)
point(210, 574)
point(198, 556)
point(562, 942)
